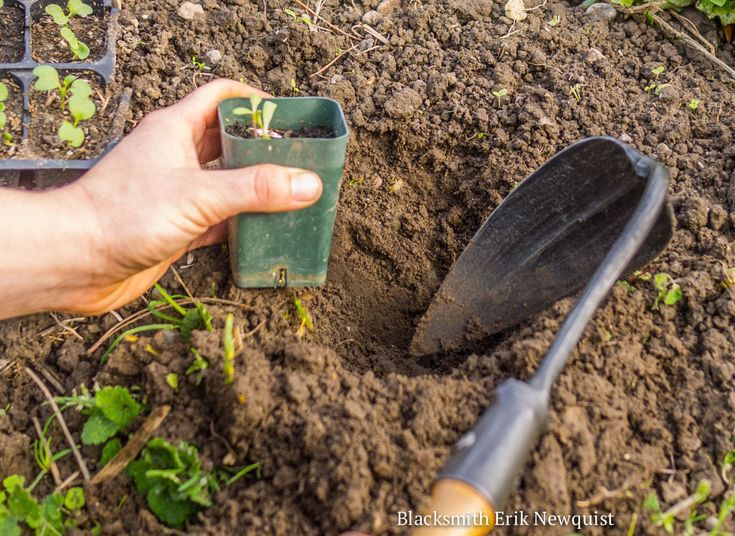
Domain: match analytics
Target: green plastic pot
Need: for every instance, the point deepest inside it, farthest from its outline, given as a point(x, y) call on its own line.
point(287, 249)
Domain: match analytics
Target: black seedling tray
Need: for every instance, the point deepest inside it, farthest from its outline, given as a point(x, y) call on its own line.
point(22, 72)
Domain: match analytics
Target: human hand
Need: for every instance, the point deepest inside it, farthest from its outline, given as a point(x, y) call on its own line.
point(146, 204)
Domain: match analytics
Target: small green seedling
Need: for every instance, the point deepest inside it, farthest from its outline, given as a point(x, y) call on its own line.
point(44, 456)
point(693, 104)
point(199, 65)
point(304, 318)
point(192, 318)
point(2, 4)
point(4, 94)
point(198, 366)
point(109, 411)
point(110, 450)
point(75, 7)
point(554, 21)
point(51, 517)
point(228, 347)
point(173, 481)
point(294, 86)
point(79, 49)
point(172, 379)
point(669, 291)
point(81, 108)
point(301, 18)
point(653, 84)
point(574, 91)
point(260, 119)
point(500, 94)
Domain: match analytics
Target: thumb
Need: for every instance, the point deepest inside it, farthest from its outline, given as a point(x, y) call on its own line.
point(262, 188)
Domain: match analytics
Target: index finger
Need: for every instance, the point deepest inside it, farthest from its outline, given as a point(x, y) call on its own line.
point(200, 107)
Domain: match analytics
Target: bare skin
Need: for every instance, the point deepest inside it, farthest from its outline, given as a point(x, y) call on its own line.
point(102, 241)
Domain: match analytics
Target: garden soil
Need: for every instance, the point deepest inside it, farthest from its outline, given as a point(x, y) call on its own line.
point(347, 427)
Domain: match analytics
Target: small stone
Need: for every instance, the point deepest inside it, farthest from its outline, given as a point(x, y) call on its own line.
point(625, 138)
point(403, 104)
point(601, 11)
point(388, 6)
point(668, 93)
point(376, 181)
point(717, 217)
point(190, 10)
point(372, 18)
point(694, 213)
point(594, 55)
point(214, 56)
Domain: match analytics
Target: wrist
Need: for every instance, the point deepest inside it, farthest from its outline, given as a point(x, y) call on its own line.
point(47, 245)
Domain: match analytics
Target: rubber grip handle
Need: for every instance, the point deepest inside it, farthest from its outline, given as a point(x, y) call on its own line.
point(491, 456)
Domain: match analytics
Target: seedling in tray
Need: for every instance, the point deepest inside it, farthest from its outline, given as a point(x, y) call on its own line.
point(4, 93)
point(75, 7)
point(260, 119)
point(74, 92)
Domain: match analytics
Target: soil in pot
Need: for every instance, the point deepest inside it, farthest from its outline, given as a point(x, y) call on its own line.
point(47, 45)
point(46, 117)
point(243, 130)
point(11, 28)
point(14, 117)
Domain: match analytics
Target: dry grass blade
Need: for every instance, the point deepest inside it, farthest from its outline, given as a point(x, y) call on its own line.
point(328, 65)
point(144, 313)
point(133, 447)
point(329, 24)
point(694, 31)
point(68, 482)
point(62, 423)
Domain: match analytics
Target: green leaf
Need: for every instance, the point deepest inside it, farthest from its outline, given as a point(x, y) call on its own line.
point(3, 120)
point(171, 511)
point(673, 296)
point(81, 51)
point(110, 450)
point(74, 499)
point(138, 470)
point(98, 429)
point(21, 504)
point(79, 8)
point(9, 524)
point(57, 13)
point(80, 88)
point(81, 107)
point(70, 37)
point(721, 9)
point(10, 482)
point(3, 92)
point(269, 108)
point(47, 78)
point(117, 404)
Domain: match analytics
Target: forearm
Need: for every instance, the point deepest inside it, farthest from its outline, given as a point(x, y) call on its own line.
point(44, 243)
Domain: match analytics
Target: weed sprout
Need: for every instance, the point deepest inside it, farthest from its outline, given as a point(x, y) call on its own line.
point(500, 94)
point(693, 104)
point(669, 291)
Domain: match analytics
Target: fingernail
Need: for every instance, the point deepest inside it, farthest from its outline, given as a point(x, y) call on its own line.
point(305, 187)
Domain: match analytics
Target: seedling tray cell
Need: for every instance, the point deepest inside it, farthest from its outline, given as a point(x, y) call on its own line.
point(22, 72)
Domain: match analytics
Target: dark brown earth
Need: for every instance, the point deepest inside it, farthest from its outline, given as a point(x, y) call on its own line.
point(347, 427)
point(49, 47)
point(245, 131)
point(11, 28)
point(13, 114)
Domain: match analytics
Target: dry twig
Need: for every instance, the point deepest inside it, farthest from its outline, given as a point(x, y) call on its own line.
point(62, 423)
point(131, 450)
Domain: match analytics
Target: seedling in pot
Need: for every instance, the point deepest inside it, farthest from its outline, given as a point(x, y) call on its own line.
point(7, 139)
point(81, 108)
point(260, 119)
point(75, 7)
